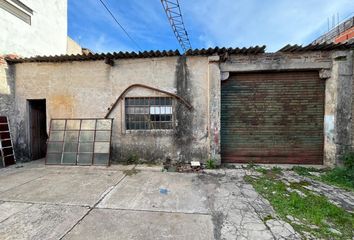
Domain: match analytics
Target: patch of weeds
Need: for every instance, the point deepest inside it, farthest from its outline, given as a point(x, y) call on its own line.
point(268, 217)
point(348, 160)
point(251, 165)
point(131, 172)
point(305, 171)
point(272, 173)
point(210, 164)
point(261, 170)
point(313, 210)
point(299, 185)
point(133, 158)
point(277, 170)
point(340, 177)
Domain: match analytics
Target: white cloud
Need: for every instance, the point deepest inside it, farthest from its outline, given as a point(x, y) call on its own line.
point(224, 23)
point(250, 22)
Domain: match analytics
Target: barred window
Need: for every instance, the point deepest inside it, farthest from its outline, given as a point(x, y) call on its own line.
point(148, 113)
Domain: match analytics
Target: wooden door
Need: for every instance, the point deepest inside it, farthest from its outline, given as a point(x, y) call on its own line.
point(38, 128)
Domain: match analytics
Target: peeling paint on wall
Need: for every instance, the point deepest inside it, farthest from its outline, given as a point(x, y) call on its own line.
point(329, 127)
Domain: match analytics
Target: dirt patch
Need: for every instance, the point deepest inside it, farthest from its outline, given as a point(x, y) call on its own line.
point(131, 172)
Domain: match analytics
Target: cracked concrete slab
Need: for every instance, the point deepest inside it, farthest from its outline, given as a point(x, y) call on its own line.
point(127, 224)
point(64, 188)
point(232, 200)
point(7, 209)
point(41, 221)
point(158, 191)
point(146, 204)
point(13, 178)
point(340, 197)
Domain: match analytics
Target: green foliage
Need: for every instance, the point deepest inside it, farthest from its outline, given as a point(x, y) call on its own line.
point(341, 177)
point(251, 165)
point(305, 171)
point(348, 160)
point(210, 164)
point(270, 172)
point(133, 158)
point(261, 170)
point(268, 217)
point(131, 172)
point(276, 170)
point(322, 213)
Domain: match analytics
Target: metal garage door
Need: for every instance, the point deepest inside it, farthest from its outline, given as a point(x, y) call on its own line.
point(272, 118)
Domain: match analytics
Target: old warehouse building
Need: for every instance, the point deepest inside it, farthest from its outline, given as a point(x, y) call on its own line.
point(231, 105)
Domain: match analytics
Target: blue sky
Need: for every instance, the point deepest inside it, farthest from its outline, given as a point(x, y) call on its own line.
point(210, 23)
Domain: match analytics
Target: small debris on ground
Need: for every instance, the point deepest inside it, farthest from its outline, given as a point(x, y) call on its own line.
point(335, 231)
point(317, 174)
point(194, 166)
point(163, 191)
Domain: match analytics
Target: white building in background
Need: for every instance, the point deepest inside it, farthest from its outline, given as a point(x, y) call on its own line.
point(35, 27)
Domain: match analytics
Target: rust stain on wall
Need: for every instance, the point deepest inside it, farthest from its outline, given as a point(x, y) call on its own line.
point(61, 105)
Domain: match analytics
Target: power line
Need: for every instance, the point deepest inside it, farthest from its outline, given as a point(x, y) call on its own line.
point(120, 25)
point(174, 15)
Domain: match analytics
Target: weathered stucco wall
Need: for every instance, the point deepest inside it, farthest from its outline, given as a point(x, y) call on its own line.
point(45, 36)
point(87, 89)
point(7, 96)
point(7, 93)
point(338, 112)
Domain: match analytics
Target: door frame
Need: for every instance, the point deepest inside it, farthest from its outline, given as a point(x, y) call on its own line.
point(29, 123)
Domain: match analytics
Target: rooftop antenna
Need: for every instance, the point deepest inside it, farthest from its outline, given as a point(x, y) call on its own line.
point(174, 15)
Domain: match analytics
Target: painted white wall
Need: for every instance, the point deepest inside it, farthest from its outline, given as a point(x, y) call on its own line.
point(47, 34)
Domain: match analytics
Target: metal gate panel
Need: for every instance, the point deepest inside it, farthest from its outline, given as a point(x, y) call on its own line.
point(272, 118)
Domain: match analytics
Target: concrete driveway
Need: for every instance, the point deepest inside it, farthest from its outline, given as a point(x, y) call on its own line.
point(57, 202)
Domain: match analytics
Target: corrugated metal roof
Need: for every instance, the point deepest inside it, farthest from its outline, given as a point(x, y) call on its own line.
point(317, 47)
point(145, 54)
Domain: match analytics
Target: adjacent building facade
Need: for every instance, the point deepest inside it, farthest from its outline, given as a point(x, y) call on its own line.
point(30, 28)
point(343, 32)
point(230, 105)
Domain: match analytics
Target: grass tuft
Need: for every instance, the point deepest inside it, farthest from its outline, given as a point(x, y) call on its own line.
point(210, 164)
point(311, 209)
point(340, 176)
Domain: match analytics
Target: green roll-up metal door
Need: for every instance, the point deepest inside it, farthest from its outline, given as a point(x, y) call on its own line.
point(272, 118)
